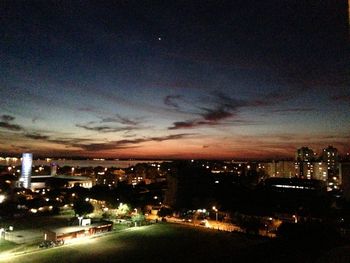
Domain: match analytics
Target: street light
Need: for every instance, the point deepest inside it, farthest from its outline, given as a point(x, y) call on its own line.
point(2, 198)
point(216, 212)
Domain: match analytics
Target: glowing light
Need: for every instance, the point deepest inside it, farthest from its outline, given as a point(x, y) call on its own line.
point(295, 219)
point(2, 198)
point(27, 160)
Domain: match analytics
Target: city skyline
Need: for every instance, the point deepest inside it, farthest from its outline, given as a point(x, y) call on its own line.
point(191, 80)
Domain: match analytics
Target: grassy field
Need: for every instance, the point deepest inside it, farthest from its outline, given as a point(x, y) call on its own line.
point(172, 243)
point(6, 245)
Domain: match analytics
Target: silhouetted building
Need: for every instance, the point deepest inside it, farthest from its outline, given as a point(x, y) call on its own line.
point(189, 186)
point(304, 154)
point(345, 174)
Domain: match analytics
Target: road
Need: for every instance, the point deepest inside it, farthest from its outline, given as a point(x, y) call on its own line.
point(212, 224)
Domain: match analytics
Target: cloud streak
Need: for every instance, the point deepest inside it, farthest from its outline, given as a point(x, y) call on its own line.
point(7, 118)
point(7, 123)
point(170, 100)
point(9, 126)
point(120, 119)
point(294, 110)
point(36, 136)
point(134, 143)
point(224, 108)
point(105, 128)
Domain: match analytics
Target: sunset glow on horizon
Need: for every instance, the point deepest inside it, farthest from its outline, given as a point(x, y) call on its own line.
point(138, 80)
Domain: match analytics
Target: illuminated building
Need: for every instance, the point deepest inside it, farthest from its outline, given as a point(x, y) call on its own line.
point(295, 185)
point(66, 181)
point(72, 233)
point(53, 169)
point(284, 169)
point(304, 162)
point(330, 156)
point(320, 171)
point(26, 173)
point(304, 154)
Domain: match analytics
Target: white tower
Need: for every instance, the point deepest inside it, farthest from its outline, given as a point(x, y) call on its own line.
point(26, 173)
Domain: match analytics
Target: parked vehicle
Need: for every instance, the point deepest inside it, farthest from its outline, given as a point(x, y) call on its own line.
point(49, 244)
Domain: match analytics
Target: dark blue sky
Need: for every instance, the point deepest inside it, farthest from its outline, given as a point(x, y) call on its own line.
point(211, 79)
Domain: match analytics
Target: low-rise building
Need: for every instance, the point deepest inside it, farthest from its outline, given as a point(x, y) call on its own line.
point(72, 232)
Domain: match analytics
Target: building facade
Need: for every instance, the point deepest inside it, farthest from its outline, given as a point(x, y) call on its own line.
point(26, 172)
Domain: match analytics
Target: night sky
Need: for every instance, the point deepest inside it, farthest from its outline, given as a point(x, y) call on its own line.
point(174, 79)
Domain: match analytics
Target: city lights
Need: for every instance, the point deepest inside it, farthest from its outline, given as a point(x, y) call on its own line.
point(219, 129)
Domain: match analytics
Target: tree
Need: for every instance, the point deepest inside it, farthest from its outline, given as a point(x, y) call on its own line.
point(250, 224)
point(138, 219)
point(122, 210)
point(164, 211)
point(82, 207)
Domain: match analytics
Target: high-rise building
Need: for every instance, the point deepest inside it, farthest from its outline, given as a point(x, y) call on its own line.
point(331, 157)
point(53, 169)
point(304, 154)
point(26, 173)
point(320, 170)
point(304, 157)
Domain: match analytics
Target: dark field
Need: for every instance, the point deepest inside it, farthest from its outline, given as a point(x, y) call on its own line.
point(177, 243)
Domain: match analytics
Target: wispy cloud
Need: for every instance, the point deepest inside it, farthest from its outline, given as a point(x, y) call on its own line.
point(9, 126)
point(170, 100)
point(36, 136)
point(7, 118)
point(7, 123)
point(224, 108)
point(120, 119)
point(67, 141)
point(122, 144)
point(184, 125)
point(87, 109)
point(215, 115)
point(105, 128)
point(294, 110)
point(113, 123)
